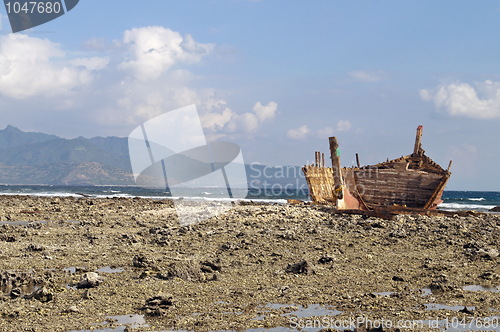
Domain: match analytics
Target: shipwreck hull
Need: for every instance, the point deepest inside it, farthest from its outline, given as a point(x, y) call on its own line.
point(413, 181)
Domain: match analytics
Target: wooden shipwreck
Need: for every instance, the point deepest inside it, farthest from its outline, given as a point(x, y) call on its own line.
point(410, 182)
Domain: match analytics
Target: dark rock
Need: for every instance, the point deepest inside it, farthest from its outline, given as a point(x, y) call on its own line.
point(439, 287)
point(157, 305)
point(142, 261)
point(466, 311)
point(12, 279)
point(42, 294)
point(325, 260)
point(397, 278)
point(210, 267)
point(7, 238)
point(489, 275)
point(34, 247)
point(15, 293)
point(87, 295)
point(302, 267)
point(495, 209)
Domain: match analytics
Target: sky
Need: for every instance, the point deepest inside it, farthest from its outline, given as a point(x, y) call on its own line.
point(277, 77)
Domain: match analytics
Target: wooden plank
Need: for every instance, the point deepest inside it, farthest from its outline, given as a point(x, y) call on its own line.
point(337, 176)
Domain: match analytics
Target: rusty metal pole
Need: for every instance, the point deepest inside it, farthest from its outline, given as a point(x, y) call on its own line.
point(337, 177)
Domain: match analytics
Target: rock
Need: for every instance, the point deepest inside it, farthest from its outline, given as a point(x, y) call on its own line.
point(35, 247)
point(466, 311)
point(142, 261)
point(157, 305)
point(209, 267)
point(288, 235)
point(15, 293)
point(7, 238)
point(302, 267)
point(488, 253)
point(185, 270)
point(87, 295)
point(72, 309)
point(495, 209)
point(12, 278)
point(325, 260)
point(42, 294)
point(89, 280)
point(397, 278)
point(489, 275)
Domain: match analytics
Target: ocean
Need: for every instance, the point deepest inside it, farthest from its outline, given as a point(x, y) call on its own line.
point(480, 201)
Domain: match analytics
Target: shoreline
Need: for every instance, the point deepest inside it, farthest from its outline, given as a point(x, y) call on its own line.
point(255, 266)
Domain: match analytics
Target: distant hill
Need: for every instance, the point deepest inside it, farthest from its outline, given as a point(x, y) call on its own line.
point(38, 158)
point(12, 137)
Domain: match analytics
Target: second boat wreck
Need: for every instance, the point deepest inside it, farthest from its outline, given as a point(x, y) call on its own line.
point(413, 181)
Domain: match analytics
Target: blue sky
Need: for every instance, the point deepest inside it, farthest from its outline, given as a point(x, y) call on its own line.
point(276, 77)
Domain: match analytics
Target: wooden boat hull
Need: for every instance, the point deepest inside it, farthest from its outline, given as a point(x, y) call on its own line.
point(413, 181)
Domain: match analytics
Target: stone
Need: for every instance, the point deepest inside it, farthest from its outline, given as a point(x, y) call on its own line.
point(157, 305)
point(302, 267)
point(488, 253)
point(325, 260)
point(142, 261)
point(42, 294)
point(89, 280)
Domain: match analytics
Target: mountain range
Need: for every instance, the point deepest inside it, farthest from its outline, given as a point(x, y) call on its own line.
point(38, 158)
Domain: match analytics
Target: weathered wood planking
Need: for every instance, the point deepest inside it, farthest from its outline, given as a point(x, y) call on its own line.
point(320, 182)
point(388, 186)
point(413, 181)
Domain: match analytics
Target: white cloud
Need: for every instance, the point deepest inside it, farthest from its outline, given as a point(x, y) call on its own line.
point(343, 125)
point(299, 133)
point(32, 66)
point(155, 49)
point(481, 101)
point(265, 112)
point(218, 116)
point(248, 122)
point(146, 75)
point(93, 63)
point(215, 113)
point(366, 76)
point(325, 132)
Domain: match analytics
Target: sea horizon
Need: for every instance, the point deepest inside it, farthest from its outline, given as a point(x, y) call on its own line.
point(453, 200)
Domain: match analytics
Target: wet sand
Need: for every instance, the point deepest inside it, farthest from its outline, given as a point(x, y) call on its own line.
point(256, 266)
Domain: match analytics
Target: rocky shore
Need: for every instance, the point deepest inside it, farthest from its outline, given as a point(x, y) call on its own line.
point(126, 264)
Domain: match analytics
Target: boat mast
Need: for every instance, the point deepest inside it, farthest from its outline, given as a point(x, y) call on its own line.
point(337, 176)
